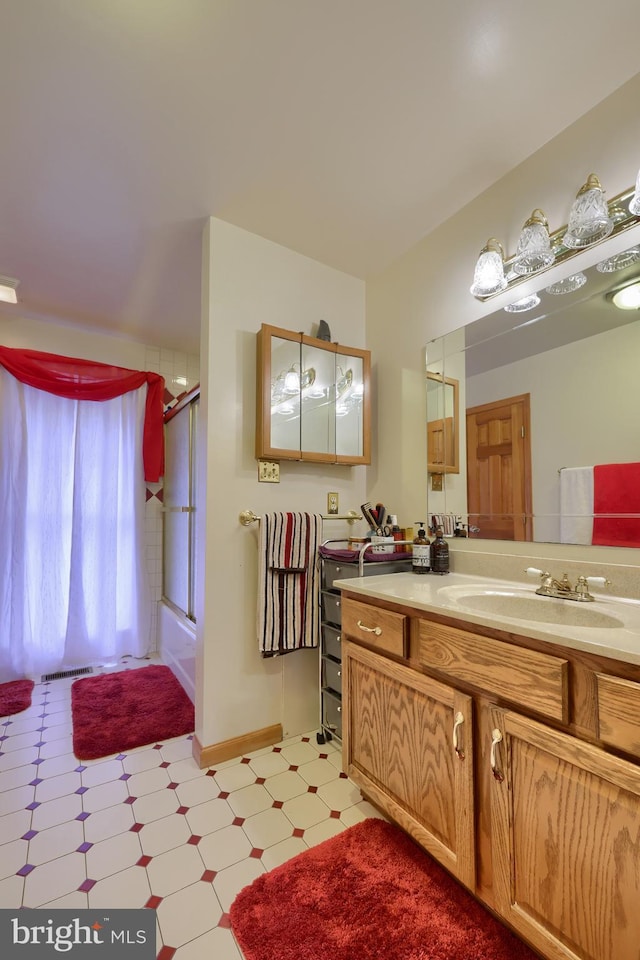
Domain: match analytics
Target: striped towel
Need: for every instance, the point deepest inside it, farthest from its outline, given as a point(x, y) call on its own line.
point(288, 616)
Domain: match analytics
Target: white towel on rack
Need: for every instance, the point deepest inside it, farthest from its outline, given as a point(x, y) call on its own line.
point(576, 505)
point(288, 614)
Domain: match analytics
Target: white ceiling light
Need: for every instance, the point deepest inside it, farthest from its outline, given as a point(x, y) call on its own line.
point(628, 298)
point(8, 290)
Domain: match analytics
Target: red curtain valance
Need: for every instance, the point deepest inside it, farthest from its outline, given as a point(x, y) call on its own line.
point(88, 380)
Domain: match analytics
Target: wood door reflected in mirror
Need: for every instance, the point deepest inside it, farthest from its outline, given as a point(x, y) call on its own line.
point(443, 454)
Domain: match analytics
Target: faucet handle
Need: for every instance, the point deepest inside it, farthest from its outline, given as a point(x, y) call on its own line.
point(598, 581)
point(535, 572)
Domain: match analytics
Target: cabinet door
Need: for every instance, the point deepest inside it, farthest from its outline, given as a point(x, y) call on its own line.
point(352, 406)
point(399, 729)
point(566, 842)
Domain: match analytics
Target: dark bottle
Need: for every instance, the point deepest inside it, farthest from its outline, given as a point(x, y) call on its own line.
point(420, 562)
point(439, 554)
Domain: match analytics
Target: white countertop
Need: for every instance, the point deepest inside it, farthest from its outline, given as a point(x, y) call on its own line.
point(453, 595)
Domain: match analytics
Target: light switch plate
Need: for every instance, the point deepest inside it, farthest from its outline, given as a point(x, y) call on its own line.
point(268, 471)
point(436, 481)
point(332, 503)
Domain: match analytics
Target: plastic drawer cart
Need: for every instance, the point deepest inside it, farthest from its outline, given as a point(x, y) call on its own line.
point(342, 564)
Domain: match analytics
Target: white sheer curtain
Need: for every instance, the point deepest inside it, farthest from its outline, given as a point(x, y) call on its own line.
point(73, 589)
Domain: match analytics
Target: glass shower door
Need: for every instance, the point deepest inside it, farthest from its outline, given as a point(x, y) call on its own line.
point(179, 529)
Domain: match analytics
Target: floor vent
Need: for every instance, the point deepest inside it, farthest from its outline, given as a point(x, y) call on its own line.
point(79, 672)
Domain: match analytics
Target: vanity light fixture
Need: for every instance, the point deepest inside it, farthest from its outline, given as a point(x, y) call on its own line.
point(589, 218)
point(8, 290)
point(627, 298)
point(534, 247)
point(524, 303)
point(488, 277)
point(568, 285)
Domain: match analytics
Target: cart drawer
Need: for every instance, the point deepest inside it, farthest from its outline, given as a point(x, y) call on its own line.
point(332, 674)
point(331, 604)
point(331, 641)
point(332, 713)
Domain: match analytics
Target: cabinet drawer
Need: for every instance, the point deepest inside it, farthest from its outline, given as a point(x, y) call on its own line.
point(331, 604)
point(331, 641)
point(619, 713)
point(381, 629)
point(332, 674)
point(538, 681)
point(332, 713)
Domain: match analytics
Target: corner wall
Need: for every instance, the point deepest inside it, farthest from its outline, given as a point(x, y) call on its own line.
point(248, 281)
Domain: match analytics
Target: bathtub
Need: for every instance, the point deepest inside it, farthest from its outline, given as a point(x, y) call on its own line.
point(177, 645)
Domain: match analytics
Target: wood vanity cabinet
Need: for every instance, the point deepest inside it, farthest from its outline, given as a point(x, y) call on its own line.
point(540, 816)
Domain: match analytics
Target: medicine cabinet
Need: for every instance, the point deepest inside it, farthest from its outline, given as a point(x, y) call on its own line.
point(312, 399)
point(442, 424)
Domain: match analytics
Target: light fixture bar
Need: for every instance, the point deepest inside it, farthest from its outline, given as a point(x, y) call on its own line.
point(562, 252)
point(8, 290)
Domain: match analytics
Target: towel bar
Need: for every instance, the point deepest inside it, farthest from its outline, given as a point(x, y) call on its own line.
point(248, 516)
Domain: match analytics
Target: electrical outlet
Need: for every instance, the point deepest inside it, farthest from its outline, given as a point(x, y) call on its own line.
point(268, 471)
point(332, 503)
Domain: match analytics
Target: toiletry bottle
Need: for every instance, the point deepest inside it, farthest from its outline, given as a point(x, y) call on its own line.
point(420, 562)
point(439, 554)
point(395, 532)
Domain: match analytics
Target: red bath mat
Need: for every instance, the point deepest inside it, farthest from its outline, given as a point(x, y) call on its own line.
point(369, 893)
point(114, 712)
point(15, 696)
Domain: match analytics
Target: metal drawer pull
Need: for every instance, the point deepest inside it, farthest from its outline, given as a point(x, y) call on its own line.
point(339, 709)
point(496, 738)
point(338, 639)
point(376, 630)
point(339, 673)
point(457, 723)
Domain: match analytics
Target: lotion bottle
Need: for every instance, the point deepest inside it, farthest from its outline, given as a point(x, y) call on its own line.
point(439, 554)
point(421, 551)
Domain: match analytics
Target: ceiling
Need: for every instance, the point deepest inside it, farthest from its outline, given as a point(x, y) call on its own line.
point(344, 129)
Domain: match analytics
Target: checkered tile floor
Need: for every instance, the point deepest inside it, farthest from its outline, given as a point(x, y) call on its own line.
point(148, 828)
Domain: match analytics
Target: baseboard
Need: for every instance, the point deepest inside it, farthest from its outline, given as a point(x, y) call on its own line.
point(236, 747)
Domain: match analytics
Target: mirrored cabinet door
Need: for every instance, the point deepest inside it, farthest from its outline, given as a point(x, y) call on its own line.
point(312, 399)
point(352, 407)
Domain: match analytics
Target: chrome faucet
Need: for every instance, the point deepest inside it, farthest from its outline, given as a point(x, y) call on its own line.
point(562, 589)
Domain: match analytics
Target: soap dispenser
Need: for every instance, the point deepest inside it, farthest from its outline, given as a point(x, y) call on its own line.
point(421, 551)
point(439, 554)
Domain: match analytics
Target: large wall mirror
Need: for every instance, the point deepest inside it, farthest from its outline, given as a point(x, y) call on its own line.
point(549, 427)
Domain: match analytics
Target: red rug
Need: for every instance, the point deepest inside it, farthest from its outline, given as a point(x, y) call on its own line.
point(15, 696)
point(114, 712)
point(369, 893)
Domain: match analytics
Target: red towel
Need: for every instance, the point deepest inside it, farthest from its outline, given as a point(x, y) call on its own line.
point(616, 490)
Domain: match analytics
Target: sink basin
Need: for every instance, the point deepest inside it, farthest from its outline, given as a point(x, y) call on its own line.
point(534, 608)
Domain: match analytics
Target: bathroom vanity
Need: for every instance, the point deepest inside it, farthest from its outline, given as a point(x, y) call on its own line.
point(507, 745)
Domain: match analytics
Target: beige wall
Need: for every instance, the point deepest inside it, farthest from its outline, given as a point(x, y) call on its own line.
point(249, 281)
point(425, 293)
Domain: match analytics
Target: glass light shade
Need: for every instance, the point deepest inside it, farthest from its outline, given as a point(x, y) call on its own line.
point(634, 203)
point(589, 219)
point(568, 285)
point(628, 298)
point(291, 382)
point(534, 247)
point(619, 260)
point(525, 303)
point(488, 277)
